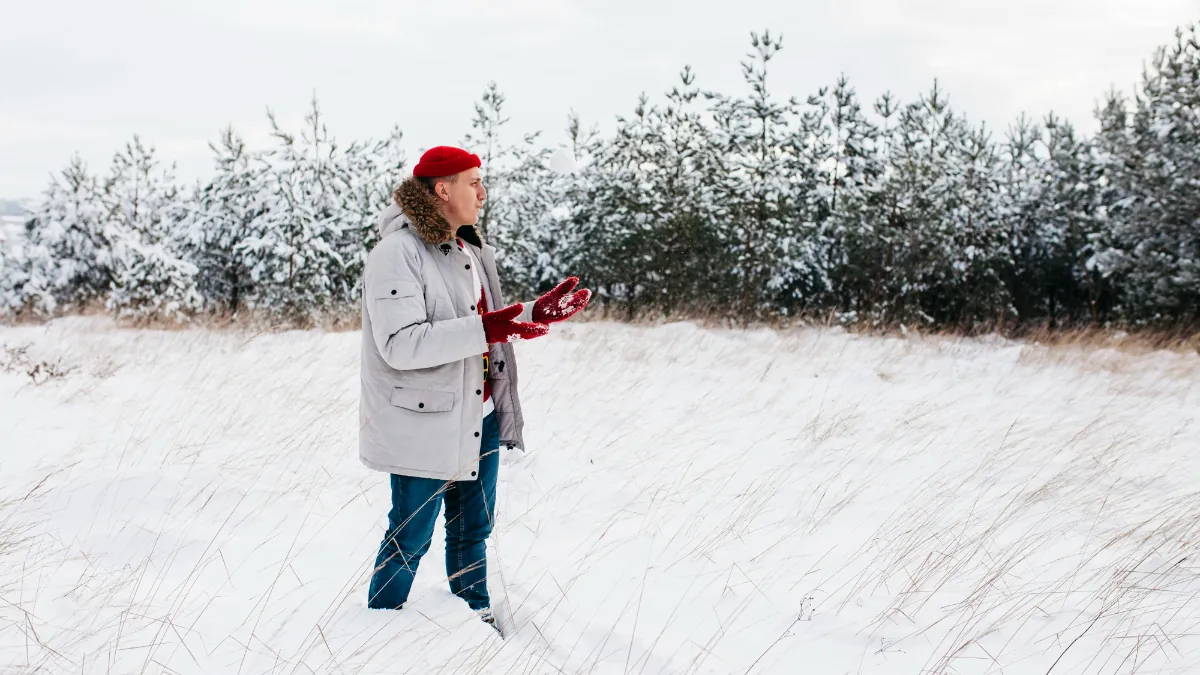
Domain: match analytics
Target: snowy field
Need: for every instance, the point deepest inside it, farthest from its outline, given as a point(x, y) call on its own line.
point(693, 501)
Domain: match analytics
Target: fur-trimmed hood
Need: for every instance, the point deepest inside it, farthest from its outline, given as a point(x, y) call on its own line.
point(420, 209)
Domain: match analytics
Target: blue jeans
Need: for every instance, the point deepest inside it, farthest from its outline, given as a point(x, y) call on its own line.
point(470, 513)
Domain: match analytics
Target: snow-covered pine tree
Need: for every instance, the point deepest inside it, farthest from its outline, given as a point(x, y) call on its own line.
point(691, 259)
point(1154, 231)
point(618, 216)
point(143, 213)
point(1111, 183)
point(839, 154)
point(65, 261)
point(979, 253)
point(225, 215)
point(921, 193)
point(1076, 292)
point(647, 201)
point(297, 251)
point(1046, 203)
point(1023, 191)
point(753, 133)
point(869, 230)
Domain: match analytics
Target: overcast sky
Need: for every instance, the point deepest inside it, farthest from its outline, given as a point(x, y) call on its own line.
point(86, 76)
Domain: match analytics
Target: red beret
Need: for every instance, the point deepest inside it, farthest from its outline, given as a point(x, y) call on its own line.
point(445, 161)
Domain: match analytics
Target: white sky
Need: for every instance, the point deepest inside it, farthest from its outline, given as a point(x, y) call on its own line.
point(86, 76)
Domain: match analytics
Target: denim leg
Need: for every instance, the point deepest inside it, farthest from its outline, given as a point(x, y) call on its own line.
point(415, 506)
point(470, 514)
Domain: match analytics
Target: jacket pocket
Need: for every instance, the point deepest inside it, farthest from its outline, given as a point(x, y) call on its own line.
point(422, 400)
point(394, 288)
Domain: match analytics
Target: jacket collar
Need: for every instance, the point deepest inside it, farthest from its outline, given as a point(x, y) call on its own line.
point(421, 209)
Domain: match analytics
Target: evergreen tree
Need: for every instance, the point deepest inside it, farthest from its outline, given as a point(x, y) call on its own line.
point(868, 229)
point(226, 214)
point(652, 206)
point(924, 149)
point(297, 253)
point(1047, 205)
point(617, 216)
point(1021, 205)
point(839, 146)
point(143, 212)
point(1154, 231)
point(758, 188)
point(979, 253)
point(65, 262)
point(693, 262)
point(1075, 292)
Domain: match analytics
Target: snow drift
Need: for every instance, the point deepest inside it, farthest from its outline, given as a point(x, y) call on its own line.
point(693, 501)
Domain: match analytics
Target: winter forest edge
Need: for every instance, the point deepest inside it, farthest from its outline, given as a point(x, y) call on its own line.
point(752, 206)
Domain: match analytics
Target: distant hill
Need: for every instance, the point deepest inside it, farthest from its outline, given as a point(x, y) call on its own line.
point(14, 207)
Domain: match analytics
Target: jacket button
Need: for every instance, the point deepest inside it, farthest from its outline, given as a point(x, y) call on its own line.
point(393, 291)
point(472, 308)
point(476, 434)
point(479, 392)
point(420, 405)
point(468, 267)
point(472, 473)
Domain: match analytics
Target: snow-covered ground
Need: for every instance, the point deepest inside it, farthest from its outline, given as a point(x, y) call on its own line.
point(693, 501)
